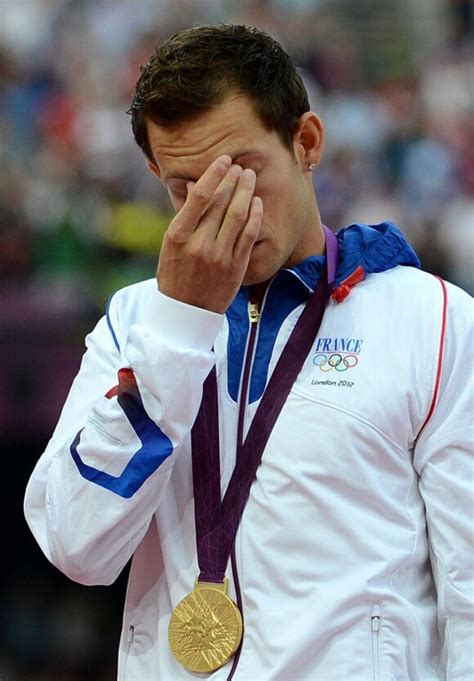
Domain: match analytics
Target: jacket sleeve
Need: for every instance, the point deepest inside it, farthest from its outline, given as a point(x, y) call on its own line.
point(93, 492)
point(444, 461)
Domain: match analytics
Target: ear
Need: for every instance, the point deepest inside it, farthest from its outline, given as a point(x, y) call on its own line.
point(308, 140)
point(154, 168)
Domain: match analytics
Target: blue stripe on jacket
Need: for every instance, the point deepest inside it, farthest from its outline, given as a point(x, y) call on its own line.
point(156, 446)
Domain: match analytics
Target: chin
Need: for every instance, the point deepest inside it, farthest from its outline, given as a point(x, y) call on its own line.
point(253, 279)
point(258, 274)
point(263, 264)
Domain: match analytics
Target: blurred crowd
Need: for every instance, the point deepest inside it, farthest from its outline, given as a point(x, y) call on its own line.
point(80, 215)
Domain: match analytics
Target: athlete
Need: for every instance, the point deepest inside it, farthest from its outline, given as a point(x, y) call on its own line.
point(277, 427)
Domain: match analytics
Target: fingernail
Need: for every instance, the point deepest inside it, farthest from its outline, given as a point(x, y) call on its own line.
point(225, 161)
point(248, 174)
point(236, 170)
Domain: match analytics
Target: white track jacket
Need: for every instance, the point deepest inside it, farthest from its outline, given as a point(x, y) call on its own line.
point(353, 559)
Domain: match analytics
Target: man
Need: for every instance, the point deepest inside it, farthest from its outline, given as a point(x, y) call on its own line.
point(337, 444)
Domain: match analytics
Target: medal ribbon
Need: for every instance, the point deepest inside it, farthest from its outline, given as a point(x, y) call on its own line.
point(217, 522)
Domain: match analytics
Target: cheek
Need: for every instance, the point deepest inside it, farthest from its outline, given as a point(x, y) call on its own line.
point(276, 201)
point(270, 193)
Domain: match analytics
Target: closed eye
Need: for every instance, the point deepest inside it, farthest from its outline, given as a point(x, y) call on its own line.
point(252, 160)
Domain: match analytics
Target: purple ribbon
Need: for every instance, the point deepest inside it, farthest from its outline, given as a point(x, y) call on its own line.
point(217, 522)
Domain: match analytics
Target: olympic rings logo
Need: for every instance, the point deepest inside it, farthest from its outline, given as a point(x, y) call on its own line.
point(337, 361)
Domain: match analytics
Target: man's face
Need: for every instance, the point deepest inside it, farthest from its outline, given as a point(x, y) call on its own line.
point(289, 229)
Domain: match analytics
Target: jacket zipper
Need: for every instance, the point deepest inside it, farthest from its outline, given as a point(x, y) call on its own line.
point(254, 316)
point(375, 626)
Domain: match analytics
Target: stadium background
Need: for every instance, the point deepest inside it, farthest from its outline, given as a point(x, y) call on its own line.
point(80, 216)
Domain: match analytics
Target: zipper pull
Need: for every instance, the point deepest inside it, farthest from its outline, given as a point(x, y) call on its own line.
point(254, 313)
point(376, 613)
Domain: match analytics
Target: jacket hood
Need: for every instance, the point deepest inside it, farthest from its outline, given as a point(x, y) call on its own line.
point(363, 250)
point(375, 248)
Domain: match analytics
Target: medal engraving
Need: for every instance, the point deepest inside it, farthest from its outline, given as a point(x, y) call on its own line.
point(205, 629)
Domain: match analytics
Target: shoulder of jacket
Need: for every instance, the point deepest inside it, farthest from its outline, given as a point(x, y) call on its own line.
point(420, 286)
point(407, 294)
point(422, 298)
point(406, 275)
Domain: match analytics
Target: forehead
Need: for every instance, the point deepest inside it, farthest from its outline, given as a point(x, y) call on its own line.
point(231, 127)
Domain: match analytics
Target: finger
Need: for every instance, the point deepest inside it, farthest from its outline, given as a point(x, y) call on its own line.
point(250, 233)
point(212, 219)
point(199, 196)
point(237, 213)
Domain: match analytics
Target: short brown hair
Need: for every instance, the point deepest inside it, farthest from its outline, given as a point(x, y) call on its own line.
point(197, 68)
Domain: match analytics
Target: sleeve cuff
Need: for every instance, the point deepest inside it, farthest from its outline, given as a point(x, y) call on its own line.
point(183, 325)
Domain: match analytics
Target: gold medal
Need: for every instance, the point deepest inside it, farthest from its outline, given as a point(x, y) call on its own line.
point(205, 629)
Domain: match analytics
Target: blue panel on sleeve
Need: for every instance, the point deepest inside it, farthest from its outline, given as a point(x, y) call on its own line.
point(156, 446)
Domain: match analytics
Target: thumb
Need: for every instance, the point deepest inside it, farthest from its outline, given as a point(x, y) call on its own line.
point(189, 186)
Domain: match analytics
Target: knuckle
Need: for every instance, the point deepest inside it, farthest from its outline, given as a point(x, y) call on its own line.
point(173, 237)
point(218, 204)
point(201, 196)
point(168, 238)
point(249, 235)
point(237, 213)
point(198, 251)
